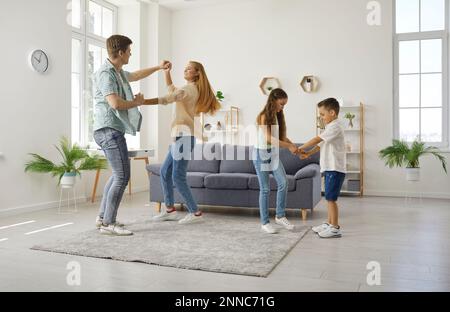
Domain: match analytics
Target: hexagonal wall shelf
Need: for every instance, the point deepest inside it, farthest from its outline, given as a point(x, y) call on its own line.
point(268, 84)
point(309, 84)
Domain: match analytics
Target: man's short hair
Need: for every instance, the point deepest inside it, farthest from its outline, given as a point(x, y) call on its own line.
point(117, 43)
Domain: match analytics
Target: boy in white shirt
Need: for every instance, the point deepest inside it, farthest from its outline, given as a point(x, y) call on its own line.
point(331, 144)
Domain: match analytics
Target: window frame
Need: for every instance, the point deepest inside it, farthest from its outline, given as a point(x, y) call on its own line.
point(87, 38)
point(419, 36)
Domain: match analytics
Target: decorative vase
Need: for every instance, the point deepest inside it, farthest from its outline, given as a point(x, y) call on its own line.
point(68, 180)
point(350, 123)
point(412, 174)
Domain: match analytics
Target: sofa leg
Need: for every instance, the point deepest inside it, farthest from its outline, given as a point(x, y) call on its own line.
point(304, 214)
point(158, 207)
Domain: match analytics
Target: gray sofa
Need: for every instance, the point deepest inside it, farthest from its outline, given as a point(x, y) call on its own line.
point(225, 181)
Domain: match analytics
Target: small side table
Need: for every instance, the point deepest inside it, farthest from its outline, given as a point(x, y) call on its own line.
point(133, 155)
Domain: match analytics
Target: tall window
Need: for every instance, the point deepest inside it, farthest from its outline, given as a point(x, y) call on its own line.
point(421, 71)
point(92, 22)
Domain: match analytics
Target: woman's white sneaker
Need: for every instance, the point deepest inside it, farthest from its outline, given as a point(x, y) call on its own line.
point(331, 232)
point(284, 223)
point(191, 218)
point(320, 228)
point(268, 228)
point(113, 229)
point(166, 216)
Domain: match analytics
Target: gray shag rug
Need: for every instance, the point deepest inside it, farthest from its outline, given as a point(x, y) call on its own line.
point(226, 244)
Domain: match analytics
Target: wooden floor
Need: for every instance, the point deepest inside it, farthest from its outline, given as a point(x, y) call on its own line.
point(410, 241)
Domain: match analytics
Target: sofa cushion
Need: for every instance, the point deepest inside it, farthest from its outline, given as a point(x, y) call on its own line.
point(154, 169)
point(308, 171)
point(227, 181)
point(293, 163)
point(206, 158)
point(196, 179)
point(237, 159)
point(253, 183)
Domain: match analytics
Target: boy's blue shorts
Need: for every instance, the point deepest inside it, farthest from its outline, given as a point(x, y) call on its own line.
point(333, 184)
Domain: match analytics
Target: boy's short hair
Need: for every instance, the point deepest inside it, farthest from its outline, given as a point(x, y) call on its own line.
point(117, 43)
point(330, 104)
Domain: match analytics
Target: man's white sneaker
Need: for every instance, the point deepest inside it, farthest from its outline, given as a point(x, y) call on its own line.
point(166, 216)
point(191, 218)
point(331, 232)
point(268, 228)
point(99, 223)
point(113, 229)
point(320, 228)
point(284, 223)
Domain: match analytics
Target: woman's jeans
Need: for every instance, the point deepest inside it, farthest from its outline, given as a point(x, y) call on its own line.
point(173, 172)
point(114, 146)
point(264, 164)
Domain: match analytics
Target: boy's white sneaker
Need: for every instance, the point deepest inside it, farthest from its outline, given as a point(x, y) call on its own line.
point(284, 223)
point(113, 229)
point(166, 216)
point(268, 228)
point(331, 232)
point(320, 228)
point(191, 218)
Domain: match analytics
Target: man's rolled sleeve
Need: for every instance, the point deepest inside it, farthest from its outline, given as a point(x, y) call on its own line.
point(107, 84)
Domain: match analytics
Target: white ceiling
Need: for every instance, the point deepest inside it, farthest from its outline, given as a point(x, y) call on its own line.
point(175, 4)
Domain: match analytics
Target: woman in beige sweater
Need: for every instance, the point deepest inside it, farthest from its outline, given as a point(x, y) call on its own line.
point(194, 98)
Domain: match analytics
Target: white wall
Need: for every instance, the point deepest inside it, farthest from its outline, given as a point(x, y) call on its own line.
point(239, 43)
point(35, 108)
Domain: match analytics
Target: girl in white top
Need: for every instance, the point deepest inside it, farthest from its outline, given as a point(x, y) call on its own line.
point(194, 98)
point(272, 135)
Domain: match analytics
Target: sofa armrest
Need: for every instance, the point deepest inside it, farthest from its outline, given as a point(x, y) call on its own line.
point(309, 171)
point(154, 169)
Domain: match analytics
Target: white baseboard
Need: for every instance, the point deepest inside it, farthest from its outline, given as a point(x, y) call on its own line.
point(403, 194)
point(54, 204)
point(36, 207)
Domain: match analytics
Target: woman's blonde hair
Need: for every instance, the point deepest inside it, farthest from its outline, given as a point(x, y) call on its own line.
point(207, 101)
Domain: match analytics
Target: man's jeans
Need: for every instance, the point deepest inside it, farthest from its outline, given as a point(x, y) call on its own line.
point(114, 145)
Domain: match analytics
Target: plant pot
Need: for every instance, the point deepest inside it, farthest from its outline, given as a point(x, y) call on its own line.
point(68, 179)
point(412, 174)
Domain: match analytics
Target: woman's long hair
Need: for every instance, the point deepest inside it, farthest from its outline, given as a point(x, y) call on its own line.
point(270, 113)
point(207, 101)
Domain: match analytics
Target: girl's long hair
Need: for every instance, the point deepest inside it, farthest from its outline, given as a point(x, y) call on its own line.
point(207, 101)
point(269, 112)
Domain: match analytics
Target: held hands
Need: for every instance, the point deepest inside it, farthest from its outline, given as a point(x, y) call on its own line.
point(165, 65)
point(139, 99)
point(302, 154)
point(293, 149)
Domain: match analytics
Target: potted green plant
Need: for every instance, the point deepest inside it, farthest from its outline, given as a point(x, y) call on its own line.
point(219, 96)
point(350, 118)
point(400, 154)
point(74, 160)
